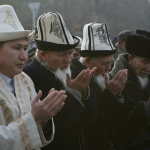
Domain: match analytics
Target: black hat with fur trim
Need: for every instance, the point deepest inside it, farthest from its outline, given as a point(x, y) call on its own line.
point(122, 36)
point(143, 32)
point(138, 45)
point(53, 34)
point(96, 41)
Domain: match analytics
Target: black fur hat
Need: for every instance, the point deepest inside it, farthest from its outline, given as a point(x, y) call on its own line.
point(138, 45)
point(122, 36)
point(143, 32)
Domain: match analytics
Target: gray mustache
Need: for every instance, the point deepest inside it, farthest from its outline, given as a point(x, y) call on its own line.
point(146, 72)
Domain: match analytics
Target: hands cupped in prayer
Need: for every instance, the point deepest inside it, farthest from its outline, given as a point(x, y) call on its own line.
point(117, 84)
point(44, 110)
point(82, 81)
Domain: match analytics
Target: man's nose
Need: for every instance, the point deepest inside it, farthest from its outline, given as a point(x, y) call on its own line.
point(68, 59)
point(23, 55)
point(108, 67)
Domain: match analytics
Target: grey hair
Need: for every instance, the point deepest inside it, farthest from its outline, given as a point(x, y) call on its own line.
point(43, 62)
point(82, 59)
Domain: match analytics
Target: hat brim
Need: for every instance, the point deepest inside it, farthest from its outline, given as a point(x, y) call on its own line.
point(49, 46)
point(87, 53)
point(8, 36)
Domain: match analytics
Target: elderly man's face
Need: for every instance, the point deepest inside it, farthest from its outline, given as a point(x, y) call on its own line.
point(103, 64)
point(56, 59)
point(13, 56)
point(140, 65)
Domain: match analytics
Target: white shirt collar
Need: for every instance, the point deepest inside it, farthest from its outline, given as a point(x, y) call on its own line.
point(6, 79)
point(9, 82)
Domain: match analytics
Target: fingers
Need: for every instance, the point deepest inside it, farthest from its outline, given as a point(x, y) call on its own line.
point(92, 72)
point(117, 75)
point(126, 75)
point(68, 78)
point(52, 99)
point(37, 98)
point(123, 76)
point(52, 90)
point(49, 97)
point(58, 104)
point(86, 75)
point(106, 78)
point(80, 76)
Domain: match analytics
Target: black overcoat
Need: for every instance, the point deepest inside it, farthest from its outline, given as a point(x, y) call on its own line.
point(103, 130)
point(68, 128)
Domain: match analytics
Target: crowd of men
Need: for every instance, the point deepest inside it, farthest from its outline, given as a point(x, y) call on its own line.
point(57, 102)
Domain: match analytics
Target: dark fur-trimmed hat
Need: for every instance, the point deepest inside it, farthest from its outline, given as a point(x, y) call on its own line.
point(143, 32)
point(53, 34)
point(122, 36)
point(138, 45)
point(96, 41)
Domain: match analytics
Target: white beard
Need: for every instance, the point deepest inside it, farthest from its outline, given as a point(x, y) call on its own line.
point(100, 80)
point(143, 81)
point(61, 75)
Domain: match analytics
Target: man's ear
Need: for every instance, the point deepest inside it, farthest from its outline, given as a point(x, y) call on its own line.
point(42, 55)
point(131, 57)
point(88, 61)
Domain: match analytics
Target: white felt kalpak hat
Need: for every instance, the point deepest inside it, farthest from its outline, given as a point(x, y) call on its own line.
point(96, 41)
point(53, 34)
point(10, 27)
point(80, 42)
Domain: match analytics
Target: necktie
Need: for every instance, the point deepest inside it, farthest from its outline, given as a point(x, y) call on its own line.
point(11, 86)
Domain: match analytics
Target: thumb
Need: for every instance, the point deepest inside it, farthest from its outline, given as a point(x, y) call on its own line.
point(106, 78)
point(92, 72)
point(68, 78)
point(37, 98)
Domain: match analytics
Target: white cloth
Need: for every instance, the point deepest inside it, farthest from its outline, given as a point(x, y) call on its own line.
point(18, 130)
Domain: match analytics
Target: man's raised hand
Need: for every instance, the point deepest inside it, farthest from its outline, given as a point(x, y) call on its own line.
point(82, 81)
point(44, 110)
point(117, 84)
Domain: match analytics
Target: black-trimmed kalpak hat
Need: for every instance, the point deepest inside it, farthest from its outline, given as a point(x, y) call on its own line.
point(138, 45)
point(31, 49)
point(96, 41)
point(53, 34)
point(80, 43)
